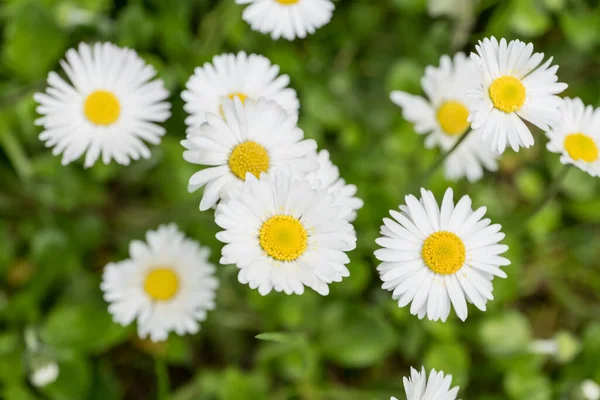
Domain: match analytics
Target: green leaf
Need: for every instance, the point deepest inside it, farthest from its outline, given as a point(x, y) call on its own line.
point(84, 327)
point(33, 41)
point(505, 334)
point(73, 382)
point(365, 339)
point(452, 358)
point(278, 337)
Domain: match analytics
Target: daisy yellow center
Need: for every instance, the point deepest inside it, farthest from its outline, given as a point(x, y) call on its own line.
point(161, 283)
point(452, 117)
point(102, 107)
point(283, 237)
point(444, 252)
point(287, 2)
point(248, 157)
point(507, 93)
point(581, 147)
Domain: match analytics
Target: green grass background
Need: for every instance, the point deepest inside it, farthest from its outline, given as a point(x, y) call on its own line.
point(59, 225)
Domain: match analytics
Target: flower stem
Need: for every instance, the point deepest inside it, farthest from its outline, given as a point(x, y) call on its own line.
point(162, 378)
point(424, 179)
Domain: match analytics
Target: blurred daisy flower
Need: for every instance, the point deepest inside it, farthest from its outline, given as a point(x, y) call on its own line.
point(167, 284)
point(283, 234)
point(443, 117)
point(438, 257)
point(417, 387)
point(513, 86)
point(327, 176)
point(254, 137)
point(577, 136)
point(235, 75)
point(287, 18)
point(110, 107)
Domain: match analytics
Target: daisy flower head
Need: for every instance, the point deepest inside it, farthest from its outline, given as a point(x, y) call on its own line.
point(110, 107)
point(514, 86)
point(253, 137)
point(167, 284)
point(443, 115)
point(577, 136)
point(287, 18)
point(283, 234)
point(235, 75)
point(327, 176)
point(438, 257)
point(437, 387)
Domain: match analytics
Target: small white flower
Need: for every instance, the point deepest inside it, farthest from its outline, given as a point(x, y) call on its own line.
point(417, 387)
point(512, 87)
point(167, 284)
point(254, 137)
point(577, 136)
point(443, 117)
point(590, 390)
point(327, 176)
point(45, 374)
point(284, 235)
point(287, 18)
point(110, 107)
point(438, 257)
point(235, 75)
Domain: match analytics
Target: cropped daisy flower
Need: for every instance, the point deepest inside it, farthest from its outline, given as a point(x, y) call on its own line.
point(436, 257)
point(167, 284)
point(443, 117)
point(327, 176)
point(235, 75)
point(254, 137)
point(513, 87)
point(283, 234)
point(577, 136)
point(109, 108)
point(287, 18)
point(417, 387)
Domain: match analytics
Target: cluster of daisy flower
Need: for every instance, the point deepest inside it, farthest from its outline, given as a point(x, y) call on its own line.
point(285, 213)
point(480, 105)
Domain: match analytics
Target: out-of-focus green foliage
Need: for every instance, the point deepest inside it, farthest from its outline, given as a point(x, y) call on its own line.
point(60, 225)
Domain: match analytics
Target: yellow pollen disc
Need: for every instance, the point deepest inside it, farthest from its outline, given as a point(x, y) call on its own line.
point(581, 147)
point(248, 157)
point(444, 252)
point(507, 93)
point(102, 107)
point(283, 238)
point(452, 117)
point(161, 284)
point(287, 2)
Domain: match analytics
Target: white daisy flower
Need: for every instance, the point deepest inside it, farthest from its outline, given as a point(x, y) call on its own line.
point(167, 284)
point(327, 176)
point(577, 136)
point(417, 387)
point(287, 18)
point(436, 257)
point(44, 374)
point(512, 87)
point(284, 234)
point(109, 108)
point(235, 75)
point(443, 117)
point(253, 137)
